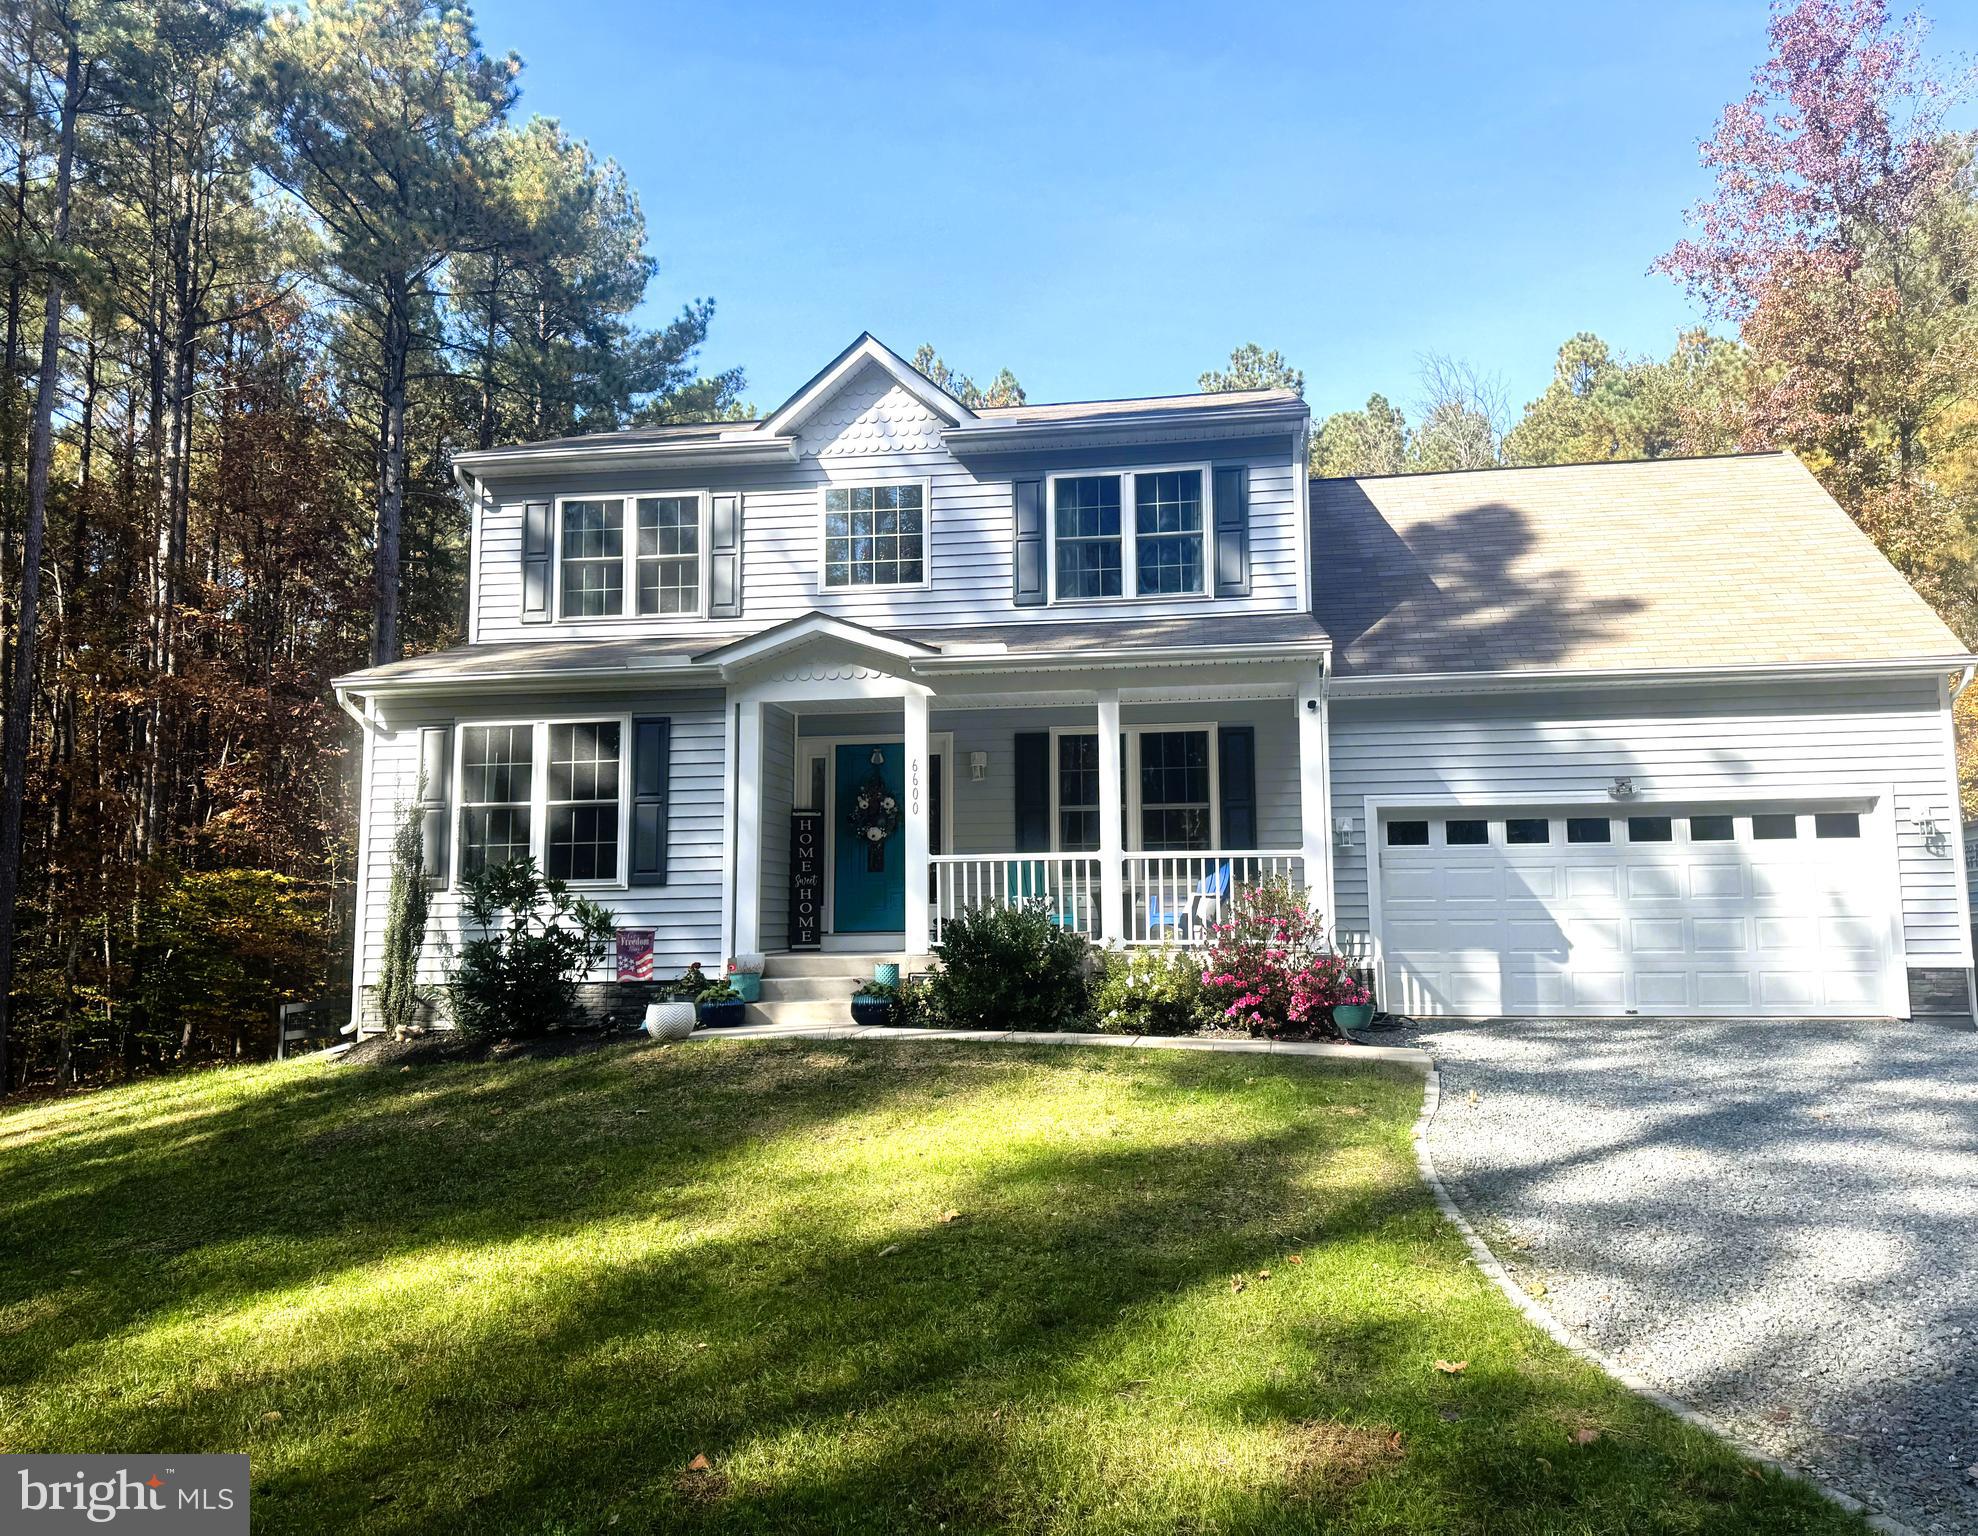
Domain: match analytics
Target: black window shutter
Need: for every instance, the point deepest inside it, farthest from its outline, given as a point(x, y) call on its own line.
point(652, 772)
point(1028, 556)
point(535, 563)
point(1033, 792)
point(724, 557)
point(1237, 766)
point(435, 787)
point(1232, 531)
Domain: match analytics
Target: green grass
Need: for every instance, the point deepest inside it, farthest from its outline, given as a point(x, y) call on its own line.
point(523, 1297)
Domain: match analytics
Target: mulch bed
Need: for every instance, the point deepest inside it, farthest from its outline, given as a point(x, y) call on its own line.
point(446, 1046)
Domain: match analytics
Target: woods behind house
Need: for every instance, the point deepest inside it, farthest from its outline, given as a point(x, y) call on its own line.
point(264, 272)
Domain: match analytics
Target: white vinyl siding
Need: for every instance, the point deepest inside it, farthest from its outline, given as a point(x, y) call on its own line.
point(685, 913)
point(969, 539)
point(1779, 740)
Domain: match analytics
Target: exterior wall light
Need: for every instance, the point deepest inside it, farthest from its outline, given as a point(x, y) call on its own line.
point(978, 766)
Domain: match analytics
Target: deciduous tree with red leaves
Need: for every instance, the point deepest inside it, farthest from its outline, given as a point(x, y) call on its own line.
point(1842, 239)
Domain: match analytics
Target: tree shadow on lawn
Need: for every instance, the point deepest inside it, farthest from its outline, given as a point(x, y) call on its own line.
point(1069, 1353)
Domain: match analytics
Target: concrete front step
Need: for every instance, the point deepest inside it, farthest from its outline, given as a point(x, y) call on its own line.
point(819, 963)
point(811, 989)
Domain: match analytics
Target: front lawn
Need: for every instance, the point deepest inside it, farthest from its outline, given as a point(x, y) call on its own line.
point(796, 1286)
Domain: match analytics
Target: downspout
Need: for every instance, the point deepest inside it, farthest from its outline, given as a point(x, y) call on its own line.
point(367, 722)
point(472, 490)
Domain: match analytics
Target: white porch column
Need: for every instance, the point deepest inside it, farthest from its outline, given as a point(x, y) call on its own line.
point(1315, 795)
point(748, 828)
point(1112, 852)
point(914, 822)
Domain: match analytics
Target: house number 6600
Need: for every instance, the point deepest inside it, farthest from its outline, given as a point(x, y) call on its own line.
point(913, 787)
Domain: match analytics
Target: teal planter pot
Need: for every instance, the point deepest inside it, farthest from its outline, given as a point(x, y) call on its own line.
point(748, 983)
point(887, 975)
point(1350, 1016)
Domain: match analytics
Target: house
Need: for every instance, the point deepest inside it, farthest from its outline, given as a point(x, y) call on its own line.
point(1664, 738)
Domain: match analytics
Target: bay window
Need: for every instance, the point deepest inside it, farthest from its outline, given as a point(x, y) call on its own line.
point(1129, 533)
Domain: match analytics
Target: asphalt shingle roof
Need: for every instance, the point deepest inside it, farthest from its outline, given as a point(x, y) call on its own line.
point(1742, 560)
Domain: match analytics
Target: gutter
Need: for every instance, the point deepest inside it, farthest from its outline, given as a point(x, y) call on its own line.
point(778, 450)
point(483, 681)
point(1033, 661)
point(1398, 684)
point(988, 433)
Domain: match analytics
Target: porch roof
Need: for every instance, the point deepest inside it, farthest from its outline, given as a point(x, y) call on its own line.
point(699, 653)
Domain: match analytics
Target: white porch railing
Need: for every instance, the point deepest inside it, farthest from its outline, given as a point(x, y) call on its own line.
point(1173, 898)
point(1067, 883)
point(1170, 898)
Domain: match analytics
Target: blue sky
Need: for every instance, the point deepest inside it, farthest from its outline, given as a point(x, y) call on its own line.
point(1107, 200)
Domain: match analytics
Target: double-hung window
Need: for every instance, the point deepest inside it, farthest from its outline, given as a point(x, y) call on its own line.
point(581, 838)
point(592, 546)
point(658, 559)
point(1129, 533)
point(875, 535)
point(1078, 793)
point(1176, 799)
point(668, 560)
point(497, 799)
point(1169, 798)
point(552, 790)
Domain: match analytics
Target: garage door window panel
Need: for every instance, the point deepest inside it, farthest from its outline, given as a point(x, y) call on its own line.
point(1466, 833)
point(1774, 829)
point(1651, 829)
point(1407, 834)
point(1712, 829)
point(1589, 829)
point(1837, 824)
point(1527, 831)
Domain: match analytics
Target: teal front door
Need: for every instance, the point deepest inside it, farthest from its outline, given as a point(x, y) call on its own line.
point(868, 881)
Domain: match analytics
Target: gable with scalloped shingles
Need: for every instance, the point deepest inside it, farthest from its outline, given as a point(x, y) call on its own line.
point(870, 415)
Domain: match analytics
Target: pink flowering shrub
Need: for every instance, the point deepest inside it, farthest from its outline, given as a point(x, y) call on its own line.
point(1267, 968)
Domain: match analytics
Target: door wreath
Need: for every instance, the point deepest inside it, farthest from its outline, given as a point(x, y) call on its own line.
point(875, 813)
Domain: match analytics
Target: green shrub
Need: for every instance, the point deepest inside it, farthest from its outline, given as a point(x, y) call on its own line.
point(537, 941)
point(1151, 991)
point(1008, 968)
point(401, 1000)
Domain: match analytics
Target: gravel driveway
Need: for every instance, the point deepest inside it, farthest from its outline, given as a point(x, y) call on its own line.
point(1777, 1222)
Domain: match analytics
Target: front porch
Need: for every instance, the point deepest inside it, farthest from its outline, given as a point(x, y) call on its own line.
point(1131, 803)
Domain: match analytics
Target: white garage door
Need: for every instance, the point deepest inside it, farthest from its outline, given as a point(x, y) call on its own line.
point(1782, 912)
